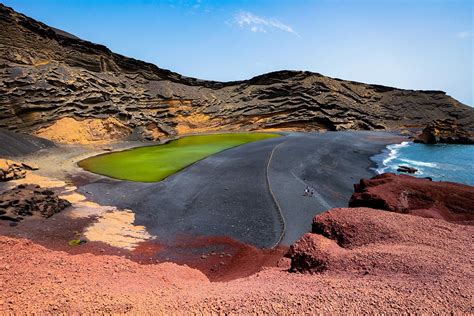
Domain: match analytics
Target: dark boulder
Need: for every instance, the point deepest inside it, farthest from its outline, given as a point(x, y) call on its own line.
point(30, 200)
point(407, 169)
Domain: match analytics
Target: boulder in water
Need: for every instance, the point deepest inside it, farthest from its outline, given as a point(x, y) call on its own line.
point(407, 169)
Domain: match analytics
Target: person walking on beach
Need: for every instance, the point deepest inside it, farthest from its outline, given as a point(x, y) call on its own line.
point(306, 191)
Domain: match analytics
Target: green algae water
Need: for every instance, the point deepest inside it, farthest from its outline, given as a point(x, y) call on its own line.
point(154, 163)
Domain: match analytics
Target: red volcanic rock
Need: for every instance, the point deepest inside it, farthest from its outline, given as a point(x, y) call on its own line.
point(314, 253)
point(391, 264)
point(450, 201)
point(368, 241)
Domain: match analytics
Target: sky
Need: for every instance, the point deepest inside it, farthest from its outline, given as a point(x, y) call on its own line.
point(411, 44)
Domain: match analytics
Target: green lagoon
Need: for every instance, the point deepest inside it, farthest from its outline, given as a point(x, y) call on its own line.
point(154, 163)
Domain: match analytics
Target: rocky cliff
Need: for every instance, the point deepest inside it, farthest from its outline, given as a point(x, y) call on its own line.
point(47, 75)
point(445, 131)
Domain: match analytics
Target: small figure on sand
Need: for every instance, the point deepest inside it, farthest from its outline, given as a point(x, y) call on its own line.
point(306, 191)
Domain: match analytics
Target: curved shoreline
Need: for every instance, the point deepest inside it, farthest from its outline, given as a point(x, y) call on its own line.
point(167, 141)
point(245, 192)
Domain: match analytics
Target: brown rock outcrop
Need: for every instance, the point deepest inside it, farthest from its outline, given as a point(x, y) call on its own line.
point(369, 241)
point(88, 131)
point(29, 200)
point(11, 170)
point(47, 75)
point(409, 195)
point(445, 131)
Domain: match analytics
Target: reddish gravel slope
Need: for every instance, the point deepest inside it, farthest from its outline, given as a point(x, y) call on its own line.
point(384, 262)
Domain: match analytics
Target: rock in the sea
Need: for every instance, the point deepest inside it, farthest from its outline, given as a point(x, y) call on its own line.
point(30, 200)
point(406, 194)
point(407, 169)
point(368, 241)
point(11, 170)
point(445, 131)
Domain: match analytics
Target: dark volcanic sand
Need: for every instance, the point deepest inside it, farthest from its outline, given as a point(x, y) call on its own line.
point(16, 144)
point(228, 194)
point(220, 207)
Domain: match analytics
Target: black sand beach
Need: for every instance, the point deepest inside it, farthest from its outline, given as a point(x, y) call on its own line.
point(252, 194)
point(228, 194)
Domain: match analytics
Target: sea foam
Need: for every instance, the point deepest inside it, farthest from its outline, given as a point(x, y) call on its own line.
point(392, 152)
point(420, 163)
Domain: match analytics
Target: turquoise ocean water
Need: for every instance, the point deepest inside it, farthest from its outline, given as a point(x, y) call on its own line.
point(441, 162)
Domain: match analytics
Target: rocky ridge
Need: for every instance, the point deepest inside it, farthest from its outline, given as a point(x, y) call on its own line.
point(385, 221)
point(405, 194)
point(445, 131)
point(47, 74)
point(369, 241)
point(11, 170)
point(389, 263)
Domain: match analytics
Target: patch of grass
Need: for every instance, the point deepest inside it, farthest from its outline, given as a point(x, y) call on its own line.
point(154, 163)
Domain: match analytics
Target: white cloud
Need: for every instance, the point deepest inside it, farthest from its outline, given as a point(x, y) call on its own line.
point(464, 34)
point(260, 24)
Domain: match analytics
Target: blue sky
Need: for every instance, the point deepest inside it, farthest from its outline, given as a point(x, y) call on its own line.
point(425, 44)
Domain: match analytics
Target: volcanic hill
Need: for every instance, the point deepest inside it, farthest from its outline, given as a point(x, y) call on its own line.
point(48, 75)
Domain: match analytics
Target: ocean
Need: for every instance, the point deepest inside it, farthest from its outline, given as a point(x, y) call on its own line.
point(441, 162)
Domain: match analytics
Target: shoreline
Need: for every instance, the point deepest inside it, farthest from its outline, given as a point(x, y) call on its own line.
point(380, 158)
point(439, 162)
point(200, 178)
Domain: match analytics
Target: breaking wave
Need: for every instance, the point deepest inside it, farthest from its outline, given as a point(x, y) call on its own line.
point(440, 162)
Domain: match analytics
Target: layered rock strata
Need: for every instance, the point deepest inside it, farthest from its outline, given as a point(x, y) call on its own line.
point(47, 75)
point(445, 131)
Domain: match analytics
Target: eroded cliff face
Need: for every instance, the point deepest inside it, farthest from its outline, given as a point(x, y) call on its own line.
point(47, 74)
